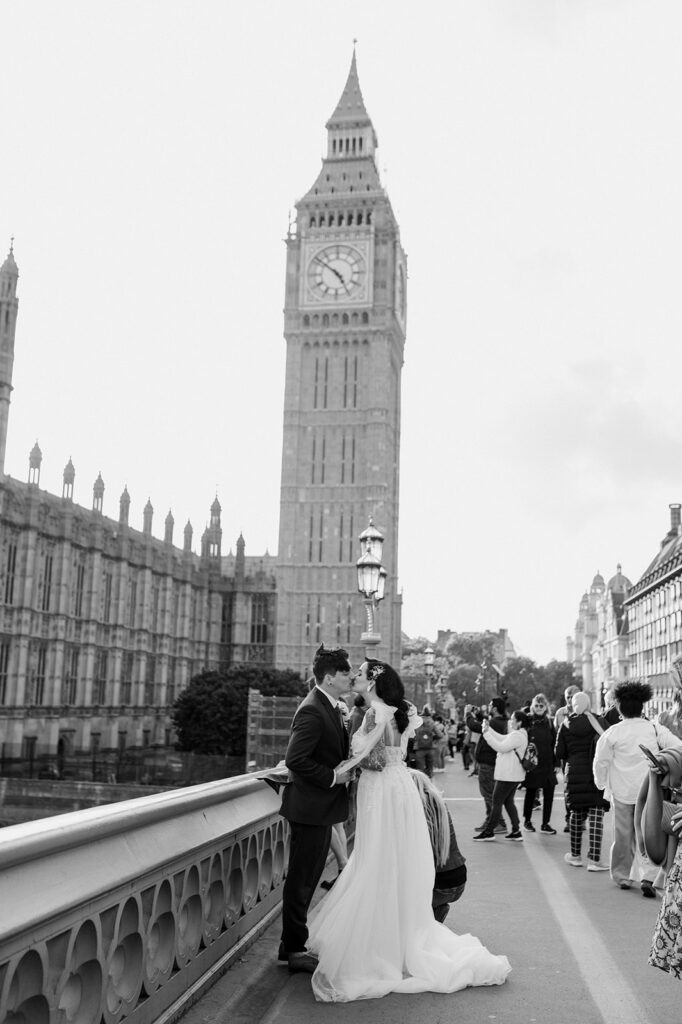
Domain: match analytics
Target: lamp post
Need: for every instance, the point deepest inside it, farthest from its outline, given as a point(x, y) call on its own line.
point(428, 665)
point(371, 582)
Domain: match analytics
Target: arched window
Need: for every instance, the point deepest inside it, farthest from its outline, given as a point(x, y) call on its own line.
point(325, 320)
point(340, 220)
point(360, 147)
point(313, 222)
point(350, 215)
point(369, 213)
point(344, 318)
point(365, 318)
point(321, 220)
point(331, 220)
point(360, 218)
point(306, 321)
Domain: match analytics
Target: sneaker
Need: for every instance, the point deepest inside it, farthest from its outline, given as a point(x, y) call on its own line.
point(623, 885)
point(500, 829)
point(479, 828)
point(528, 826)
point(594, 865)
point(516, 836)
point(485, 837)
point(648, 891)
point(577, 862)
point(548, 830)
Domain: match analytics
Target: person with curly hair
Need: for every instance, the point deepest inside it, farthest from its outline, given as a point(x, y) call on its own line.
point(619, 769)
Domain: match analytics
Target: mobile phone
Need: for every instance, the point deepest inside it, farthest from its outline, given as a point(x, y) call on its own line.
point(651, 758)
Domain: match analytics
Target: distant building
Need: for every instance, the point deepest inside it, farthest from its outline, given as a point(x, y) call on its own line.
point(503, 648)
point(610, 654)
point(101, 625)
point(579, 646)
point(654, 609)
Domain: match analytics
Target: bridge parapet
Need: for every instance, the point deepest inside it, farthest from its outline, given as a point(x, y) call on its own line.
point(121, 912)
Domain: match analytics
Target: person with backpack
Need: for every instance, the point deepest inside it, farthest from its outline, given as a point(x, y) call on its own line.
point(440, 743)
point(424, 742)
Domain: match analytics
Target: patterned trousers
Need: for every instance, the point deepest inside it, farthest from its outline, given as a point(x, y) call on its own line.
point(596, 831)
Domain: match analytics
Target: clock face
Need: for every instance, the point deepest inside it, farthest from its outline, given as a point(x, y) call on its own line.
point(336, 272)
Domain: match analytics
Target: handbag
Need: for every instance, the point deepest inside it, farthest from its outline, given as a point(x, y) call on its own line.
point(530, 759)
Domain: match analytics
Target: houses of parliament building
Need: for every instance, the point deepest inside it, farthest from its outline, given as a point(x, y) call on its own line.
point(102, 624)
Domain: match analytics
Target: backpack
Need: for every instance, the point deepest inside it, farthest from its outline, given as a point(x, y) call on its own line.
point(423, 739)
point(530, 759)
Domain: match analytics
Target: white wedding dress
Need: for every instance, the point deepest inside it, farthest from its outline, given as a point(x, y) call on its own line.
point(375, 932)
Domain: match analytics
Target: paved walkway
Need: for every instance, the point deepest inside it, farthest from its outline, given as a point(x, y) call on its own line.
point(577, 944)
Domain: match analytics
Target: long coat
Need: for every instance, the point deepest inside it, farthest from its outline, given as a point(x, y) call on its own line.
point(575, 745)
point(317, 744)
point(541, 733)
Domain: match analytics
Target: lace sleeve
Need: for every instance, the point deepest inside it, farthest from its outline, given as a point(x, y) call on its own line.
point(375, 759)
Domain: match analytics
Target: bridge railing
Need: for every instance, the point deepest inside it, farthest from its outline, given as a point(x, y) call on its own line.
point(122, 912)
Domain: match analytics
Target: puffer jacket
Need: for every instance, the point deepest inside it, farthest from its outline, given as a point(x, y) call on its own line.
point(542, 734)
point(575, 745)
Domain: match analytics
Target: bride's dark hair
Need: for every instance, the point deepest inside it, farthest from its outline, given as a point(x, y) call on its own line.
point(388, 686)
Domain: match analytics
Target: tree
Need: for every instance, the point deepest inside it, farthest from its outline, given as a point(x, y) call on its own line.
point(557, 676)
point(210, 716)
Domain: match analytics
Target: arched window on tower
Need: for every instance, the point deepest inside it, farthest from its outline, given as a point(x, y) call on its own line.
point(322, 220)
point(306, 320)
point(325, 319)
point(313, 222)
point(340, 220)
point(360, 147)
point(360, 218)
point(365, 318)
point(350, 215)
point(344, 318)
point(331, 220)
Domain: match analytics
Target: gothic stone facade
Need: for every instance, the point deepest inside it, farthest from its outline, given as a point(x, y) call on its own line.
point(344, 324)
point(101, 625)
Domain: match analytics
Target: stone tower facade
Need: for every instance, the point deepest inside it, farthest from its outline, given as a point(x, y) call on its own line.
point(9, 305)
point(344, 324)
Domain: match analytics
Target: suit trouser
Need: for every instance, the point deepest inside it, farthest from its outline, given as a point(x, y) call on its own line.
point(624, 847)
point(308, 849)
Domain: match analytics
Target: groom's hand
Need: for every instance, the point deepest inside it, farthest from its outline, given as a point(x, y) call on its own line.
point(344, 776)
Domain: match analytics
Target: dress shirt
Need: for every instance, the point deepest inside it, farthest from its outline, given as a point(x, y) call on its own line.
point(619, 765)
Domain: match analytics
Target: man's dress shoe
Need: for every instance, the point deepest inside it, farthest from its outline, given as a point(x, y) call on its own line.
point(302, 962)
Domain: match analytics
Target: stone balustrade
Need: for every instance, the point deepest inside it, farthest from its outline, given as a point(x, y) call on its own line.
point(124, 912)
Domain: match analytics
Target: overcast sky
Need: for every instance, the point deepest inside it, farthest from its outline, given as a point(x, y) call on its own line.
point(532, 151)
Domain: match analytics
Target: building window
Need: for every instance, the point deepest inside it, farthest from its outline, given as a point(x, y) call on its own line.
point(355, 382)
point(259, 618)
point(156, 587)
point(326, 381)
point(126, 678)
point(80, 584)
point(39, 687)
point(47, 583)
point(350, 538)
point(99, 695)
point(70, 683)
point(149, 680)
point(318, 624)
point(352, 460)
point(313, 457)
point(324, 451)
point(132, 607)
point(106, 613)
point(4, 670)
point(317, 375)
point(341, 538)
point(345, 382)
point(310, 538)
point(10, 573)
point(226, 619)
point(170, 681)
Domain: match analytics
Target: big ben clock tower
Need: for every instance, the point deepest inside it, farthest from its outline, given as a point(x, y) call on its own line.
point(344, 325)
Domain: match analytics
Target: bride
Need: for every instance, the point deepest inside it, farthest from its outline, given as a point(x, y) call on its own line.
point(375, 933)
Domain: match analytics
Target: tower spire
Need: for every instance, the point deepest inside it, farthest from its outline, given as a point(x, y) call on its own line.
point(350, 129)
point(9, 305)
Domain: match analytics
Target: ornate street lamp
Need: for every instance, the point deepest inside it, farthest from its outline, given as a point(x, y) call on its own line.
point(428, 665)
point(371, 582)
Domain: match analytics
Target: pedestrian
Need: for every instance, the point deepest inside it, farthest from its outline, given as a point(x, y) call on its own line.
point(439, 744)
point(541, 732)
point(451, 872)
point(672, 718)
point(424, 743)
point(453, 738)
point(486, 754)
point(575, 747)
point(611, 713)
point(357, 714)
point(315, 797)
point(509, 772)
point(619, 769)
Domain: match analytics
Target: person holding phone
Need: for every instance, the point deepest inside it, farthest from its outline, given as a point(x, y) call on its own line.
point(619, 768)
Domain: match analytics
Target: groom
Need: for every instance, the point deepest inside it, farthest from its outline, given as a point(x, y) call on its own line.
point(315, 798)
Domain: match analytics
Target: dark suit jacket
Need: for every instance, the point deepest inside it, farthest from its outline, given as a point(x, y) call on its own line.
point(318, 742)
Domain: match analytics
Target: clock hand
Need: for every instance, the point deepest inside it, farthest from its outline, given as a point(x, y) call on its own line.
point(330, 267)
